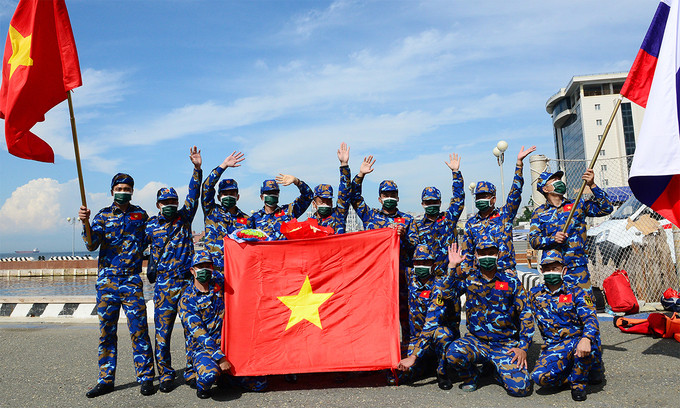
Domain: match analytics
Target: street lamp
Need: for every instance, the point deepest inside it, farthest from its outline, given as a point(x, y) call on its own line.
point(73, 220)
point(499, 152)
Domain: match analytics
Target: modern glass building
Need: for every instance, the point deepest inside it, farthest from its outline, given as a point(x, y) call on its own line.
point(580, 112)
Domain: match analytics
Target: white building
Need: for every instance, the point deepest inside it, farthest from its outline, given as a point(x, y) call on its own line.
point(580, 112)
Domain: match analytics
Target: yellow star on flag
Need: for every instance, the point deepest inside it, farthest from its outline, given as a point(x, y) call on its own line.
point(305, 305)
point(21, 50)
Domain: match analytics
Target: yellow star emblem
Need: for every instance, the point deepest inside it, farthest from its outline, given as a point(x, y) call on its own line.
point(305, 305)
point(21, 50)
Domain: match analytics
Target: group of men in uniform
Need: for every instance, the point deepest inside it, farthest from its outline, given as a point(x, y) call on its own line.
point(434, 273)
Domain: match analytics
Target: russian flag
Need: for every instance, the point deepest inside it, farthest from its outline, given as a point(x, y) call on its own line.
point(654, 82)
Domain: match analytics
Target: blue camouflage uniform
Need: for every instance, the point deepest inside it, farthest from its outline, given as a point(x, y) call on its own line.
point(338, 217)
point(119, 235)
point(202, 314)
point(377, 218)
point(219, 221)
point(498, 319)
point(498, 223)
point(564, 317)
point(271, 223)
point(548, 220)
point(172, 246)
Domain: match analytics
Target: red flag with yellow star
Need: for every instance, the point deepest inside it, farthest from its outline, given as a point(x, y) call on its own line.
point(312, 305)
point(40, 66)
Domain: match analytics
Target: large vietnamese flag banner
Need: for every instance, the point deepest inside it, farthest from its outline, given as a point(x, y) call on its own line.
point(654, 82)
point(312, 305)
point(40, 66)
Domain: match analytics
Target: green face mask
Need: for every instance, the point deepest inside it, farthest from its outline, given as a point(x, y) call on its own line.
point(552, 278)
point(271, 200)
point(169, 211)
point(432, 209)
point(122, 198)
point(389, 203)
point(228, 201)
point(559, 187)
point(324, 210)
point(483, 204)
point(203, 275)
point(487, 262)
point(422, 271)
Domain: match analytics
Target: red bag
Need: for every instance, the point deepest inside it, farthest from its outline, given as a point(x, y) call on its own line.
point(656, 324)
point(619, 294)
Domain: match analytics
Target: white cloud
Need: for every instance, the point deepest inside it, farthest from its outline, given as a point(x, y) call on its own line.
point(36, 206)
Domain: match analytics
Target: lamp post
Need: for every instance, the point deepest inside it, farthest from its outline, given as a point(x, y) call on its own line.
point(499, 152)
point(73, 221)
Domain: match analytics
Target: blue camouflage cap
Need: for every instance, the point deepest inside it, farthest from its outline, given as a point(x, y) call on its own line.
point(431, 193)
point(422, 253)
point(201, 256)
point(122, 178)
point(323, 191)
point(544, 177)
point(550, 256)
point(166, 194)
point(269, 185)
point(387, 185)
point(487, 241)
point(485, 187)
point(228, 184)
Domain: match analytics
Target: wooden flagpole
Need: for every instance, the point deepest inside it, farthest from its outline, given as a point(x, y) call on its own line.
point(86, 223)
point(592, 162)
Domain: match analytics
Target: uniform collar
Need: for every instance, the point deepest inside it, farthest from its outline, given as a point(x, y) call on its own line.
point(491, 214)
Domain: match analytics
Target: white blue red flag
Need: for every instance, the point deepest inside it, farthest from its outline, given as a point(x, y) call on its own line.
point(654, 82)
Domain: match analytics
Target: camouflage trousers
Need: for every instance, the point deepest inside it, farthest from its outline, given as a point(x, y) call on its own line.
point(112, 293)
point(464, 354)
point(166, 296)
point(207, 371)
point(558, 362)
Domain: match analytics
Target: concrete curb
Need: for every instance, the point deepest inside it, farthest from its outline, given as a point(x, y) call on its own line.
point(39, 309)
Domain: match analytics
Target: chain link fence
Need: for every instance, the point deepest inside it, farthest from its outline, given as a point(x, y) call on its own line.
point(634, 237)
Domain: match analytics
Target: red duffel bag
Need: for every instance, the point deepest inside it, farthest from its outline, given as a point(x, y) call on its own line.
point(619, 294)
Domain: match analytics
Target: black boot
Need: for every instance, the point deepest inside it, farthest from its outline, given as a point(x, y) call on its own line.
point(99, 389)
point(444, 382)
point(203, 394)
point(147, 388)
point(578, 395)
point(166, 386)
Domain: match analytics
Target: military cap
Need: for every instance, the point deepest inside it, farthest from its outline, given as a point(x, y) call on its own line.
point(431, 193)
point(269, 185)
point(166, 194)
point(387, 185)
point(323, 191)
point(122, 178)
point(201, 256)
point(543, 178)
point(550, 256)
point(422, 253)
point(228, 184)
point(485, 187)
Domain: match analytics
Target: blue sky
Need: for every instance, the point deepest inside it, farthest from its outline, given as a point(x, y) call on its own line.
point(286, 82)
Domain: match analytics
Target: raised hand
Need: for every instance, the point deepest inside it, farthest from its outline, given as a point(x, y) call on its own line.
point(454, 162)
point(455, 255)
point(524, 153)
point(366, 166)
point(286, 179)
point(233, 160)
point(195, 157)
point(343, 154)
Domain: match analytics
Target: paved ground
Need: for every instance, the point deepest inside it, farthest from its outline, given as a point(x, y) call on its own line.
point(55, 364)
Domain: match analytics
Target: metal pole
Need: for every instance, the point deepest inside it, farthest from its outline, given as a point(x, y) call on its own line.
point(86, 223)
point(500, 163)
point(73, 242)
point(592, 163)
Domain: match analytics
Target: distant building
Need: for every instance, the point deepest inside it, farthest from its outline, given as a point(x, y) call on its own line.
point(580, 112)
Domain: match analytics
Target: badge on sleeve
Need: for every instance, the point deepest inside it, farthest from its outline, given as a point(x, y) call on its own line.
point(439, 301)
point(135, 216)
point(567, 207)
point(400, 220)
point(588, 300)
point(280, 213)
point(502, 285)
point(242, 220)
point(564, 298)
point(425, 294)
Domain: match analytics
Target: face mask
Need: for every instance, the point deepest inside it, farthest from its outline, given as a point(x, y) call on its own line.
point(203, 275)
point(559, 187)
point(389, 203)
point(169, 211)
point(122, 198)
point(487, 262)
point(271, 200)
point(483, 204)
point(422, 271)
point(228, 201)
point(324, 210)
point(432, 209)
point(552, 278)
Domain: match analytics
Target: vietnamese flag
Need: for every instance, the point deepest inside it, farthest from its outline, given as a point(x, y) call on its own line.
point(40, 66)
point(312, 305)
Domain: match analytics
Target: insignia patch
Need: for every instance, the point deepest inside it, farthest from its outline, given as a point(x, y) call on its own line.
point(495, 216)
point(439, 301)
point(135, 216)
point(425, 294)
point(502, 285)
point(400, 220)
point(565, 299)
point(567, 207)
point(588, 300)
point(280, 213)
point(242, 220)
